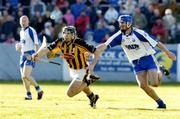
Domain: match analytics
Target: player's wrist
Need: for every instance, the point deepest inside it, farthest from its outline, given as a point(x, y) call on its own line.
point(35, 56)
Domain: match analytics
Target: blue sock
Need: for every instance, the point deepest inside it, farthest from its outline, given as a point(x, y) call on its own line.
point(160, 102)
point(28, 94)
point(37, 88)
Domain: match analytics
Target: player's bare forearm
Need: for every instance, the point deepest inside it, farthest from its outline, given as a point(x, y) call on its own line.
point(42, 52)
point(99, 49)
point(39, 53)
point(164, 49)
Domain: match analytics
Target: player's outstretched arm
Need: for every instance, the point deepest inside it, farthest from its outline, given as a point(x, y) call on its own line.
point(164, 49)
point(99, 49)
point(40, 53)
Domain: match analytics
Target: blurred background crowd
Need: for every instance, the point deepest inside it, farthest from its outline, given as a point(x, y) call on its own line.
point(95, 20)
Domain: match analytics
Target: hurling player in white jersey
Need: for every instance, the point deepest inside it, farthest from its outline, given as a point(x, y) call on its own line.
point(139, 48)
point(28, 45)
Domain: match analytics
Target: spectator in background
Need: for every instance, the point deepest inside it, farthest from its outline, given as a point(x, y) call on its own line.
point(63, 4)
point(122, 8)
point(19, 12)
point(96, 18)
point(9, 8)
point(38, 6)
point(37, 22)
point(56, 14)
point(103, 5)
point(100, 31)
point(81, 23)
point(148, 12)
point(1, 18)
point(49, 31)
point(8, 29)
point(58, 28)
point(77, 8)
point(159, 31)
point(129, 6)
point(47, 18)
point(177, 33)
point(91, 12)
point(139, 20)
point(111, 15)
point(24, 3)
point(68, 16)
point(154, 17)
point(169, 21)
point(144, 3)
point(88, 36)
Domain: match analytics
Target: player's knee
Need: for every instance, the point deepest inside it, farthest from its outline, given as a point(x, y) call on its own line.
point(70, 93)
point(155, 84)
point(25, 78)
point(143, 86)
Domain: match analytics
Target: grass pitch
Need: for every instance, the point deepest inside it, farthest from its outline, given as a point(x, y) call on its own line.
point(117, 101)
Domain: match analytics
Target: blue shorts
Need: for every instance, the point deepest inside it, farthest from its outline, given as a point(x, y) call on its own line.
point(144, 64)
point(24, 61)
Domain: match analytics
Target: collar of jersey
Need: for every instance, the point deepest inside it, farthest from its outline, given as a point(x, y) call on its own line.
point(68, 42)
point(129, 33)
point(26, 28)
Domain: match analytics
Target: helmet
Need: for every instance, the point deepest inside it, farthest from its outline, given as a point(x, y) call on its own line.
point(70, 29)
point(125, 18)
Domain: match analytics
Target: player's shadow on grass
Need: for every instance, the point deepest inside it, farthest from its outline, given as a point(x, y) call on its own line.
point(145, 109)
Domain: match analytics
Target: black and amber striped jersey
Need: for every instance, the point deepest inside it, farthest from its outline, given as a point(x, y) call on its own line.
point(78, 48)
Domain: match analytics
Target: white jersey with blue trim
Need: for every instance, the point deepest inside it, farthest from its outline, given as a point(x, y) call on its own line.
point(136, 45)
point(28, 39)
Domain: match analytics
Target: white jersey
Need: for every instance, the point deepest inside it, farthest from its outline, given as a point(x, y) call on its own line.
point(28, 39)
point(136, 45)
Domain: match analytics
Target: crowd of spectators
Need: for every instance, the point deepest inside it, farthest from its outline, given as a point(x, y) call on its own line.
point(95, 20)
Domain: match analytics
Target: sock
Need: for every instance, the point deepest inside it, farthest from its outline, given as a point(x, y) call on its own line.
point(38, 89)
point(160, 102)
point(28, 94)
point(85, 80)
point(90, 96)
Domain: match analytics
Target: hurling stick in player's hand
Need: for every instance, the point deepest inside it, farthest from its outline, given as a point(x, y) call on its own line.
point(44, 43)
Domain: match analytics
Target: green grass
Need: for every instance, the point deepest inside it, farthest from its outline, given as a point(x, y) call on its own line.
point(117, 101)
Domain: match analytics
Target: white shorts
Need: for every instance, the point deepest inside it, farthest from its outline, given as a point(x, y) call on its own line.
point(77, 74)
